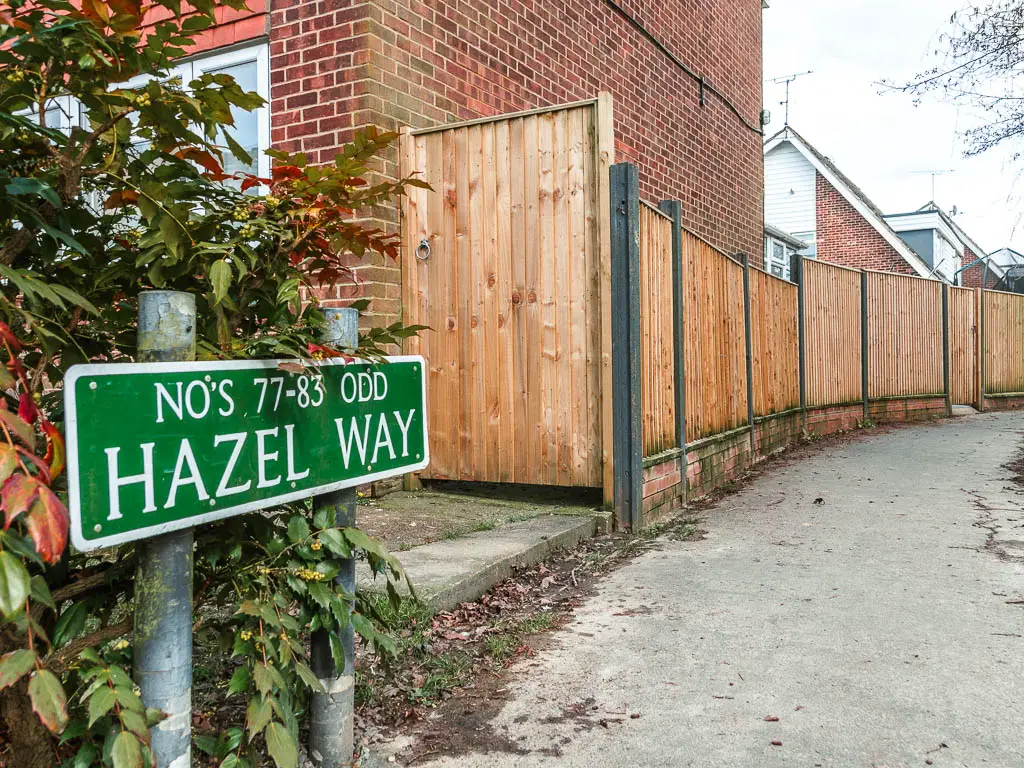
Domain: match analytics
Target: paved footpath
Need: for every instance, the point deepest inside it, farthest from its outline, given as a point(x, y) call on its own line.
point(877, 625)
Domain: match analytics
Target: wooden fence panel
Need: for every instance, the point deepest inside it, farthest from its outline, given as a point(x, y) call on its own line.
point(657, 361)
point(832, 328)
point(715, 346)
point(1003, 338)
point(775, 337)
point(904, 336)
point(512, 290)
point(963, 345)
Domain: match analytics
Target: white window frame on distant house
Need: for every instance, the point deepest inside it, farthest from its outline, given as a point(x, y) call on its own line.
point(259, 54)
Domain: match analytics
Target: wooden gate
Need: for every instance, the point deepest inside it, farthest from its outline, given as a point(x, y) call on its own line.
point(507, 261)
point(963, 345)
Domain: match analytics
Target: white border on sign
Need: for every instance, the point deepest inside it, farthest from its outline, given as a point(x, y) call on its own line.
point(119, 369)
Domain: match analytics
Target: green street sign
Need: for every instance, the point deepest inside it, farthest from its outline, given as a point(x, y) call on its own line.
point(156, 447)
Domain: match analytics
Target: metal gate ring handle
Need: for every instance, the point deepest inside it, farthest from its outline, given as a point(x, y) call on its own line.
point(423, 250)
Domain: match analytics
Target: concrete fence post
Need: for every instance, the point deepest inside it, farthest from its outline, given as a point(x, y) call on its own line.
point(331, 738)
point(163, 582)
point(627, 443)
point(749, 343)
point(981, 342)
point(945, 350)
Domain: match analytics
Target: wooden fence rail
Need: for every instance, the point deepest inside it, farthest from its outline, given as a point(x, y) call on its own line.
point(513, 259)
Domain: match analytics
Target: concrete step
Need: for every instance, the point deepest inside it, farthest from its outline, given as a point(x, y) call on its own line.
point(446, 573)
point(964, 410)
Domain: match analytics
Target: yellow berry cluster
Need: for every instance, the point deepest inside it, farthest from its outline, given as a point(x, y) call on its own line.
point(307, 574)
point(316, 546)
point(245, 635)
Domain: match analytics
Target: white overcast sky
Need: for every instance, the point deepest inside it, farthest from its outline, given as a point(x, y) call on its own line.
point(879, 140)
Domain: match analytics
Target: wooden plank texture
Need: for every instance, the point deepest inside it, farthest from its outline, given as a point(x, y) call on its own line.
point(513, 294)
point(1004, 342)
point(904, 336)
point(657, 379)
point(833, 333)
point(963, 346)
point(714, 344)
point(775, 343)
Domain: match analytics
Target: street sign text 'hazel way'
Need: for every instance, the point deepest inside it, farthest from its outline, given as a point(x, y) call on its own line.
point(156, 447)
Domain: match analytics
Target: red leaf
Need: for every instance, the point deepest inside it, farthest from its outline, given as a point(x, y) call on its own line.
point(8, 462)
point(16, 496)
point(282, 172)
point(254, 181)
point(27, 410)
point(8, 335)
point(204, 159)
point(318, 352)
point(47, 523)
point(55, 450)
point(21, 429)
point(120, 198)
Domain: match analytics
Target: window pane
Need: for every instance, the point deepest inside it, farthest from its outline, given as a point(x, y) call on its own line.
point(246, 131)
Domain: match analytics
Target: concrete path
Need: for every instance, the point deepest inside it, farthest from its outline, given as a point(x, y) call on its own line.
point(877, 625)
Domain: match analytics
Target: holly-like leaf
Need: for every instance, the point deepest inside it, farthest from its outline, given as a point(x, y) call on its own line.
point(281, 746)
point(14, 584)
point(126, 751)
point(48, 700)
point(15, 665)
point(47, 522)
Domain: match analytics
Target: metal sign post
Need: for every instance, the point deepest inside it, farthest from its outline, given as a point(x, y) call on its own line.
point(163, 583)
point(332, 715)
point(158, 447)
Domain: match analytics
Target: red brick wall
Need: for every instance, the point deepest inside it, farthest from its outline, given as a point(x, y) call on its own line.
point(847, 238)
point(336, 66)
point(973, 277)
point(233, 26)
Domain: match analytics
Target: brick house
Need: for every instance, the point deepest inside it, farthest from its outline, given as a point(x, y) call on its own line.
point(807, 196)
point(685, 77)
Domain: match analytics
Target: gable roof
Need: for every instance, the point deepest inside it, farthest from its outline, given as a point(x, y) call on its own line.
point(853, 195)
point(979, 253)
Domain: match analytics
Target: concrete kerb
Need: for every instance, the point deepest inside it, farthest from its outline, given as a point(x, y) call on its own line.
point(446, 573)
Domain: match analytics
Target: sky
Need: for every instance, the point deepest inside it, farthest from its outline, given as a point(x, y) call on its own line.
point(880, 139)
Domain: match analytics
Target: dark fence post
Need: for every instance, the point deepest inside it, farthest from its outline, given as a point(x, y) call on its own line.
point(798, 268)
point(864, 345)
point(745, 259)
point(627, 453)
point(981, 342)
point(674, 210)
point(945, 350)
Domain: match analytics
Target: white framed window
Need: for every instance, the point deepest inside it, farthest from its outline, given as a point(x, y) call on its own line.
point(250, 66)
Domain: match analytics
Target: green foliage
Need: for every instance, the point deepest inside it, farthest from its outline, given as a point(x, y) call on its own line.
point(126, 194)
